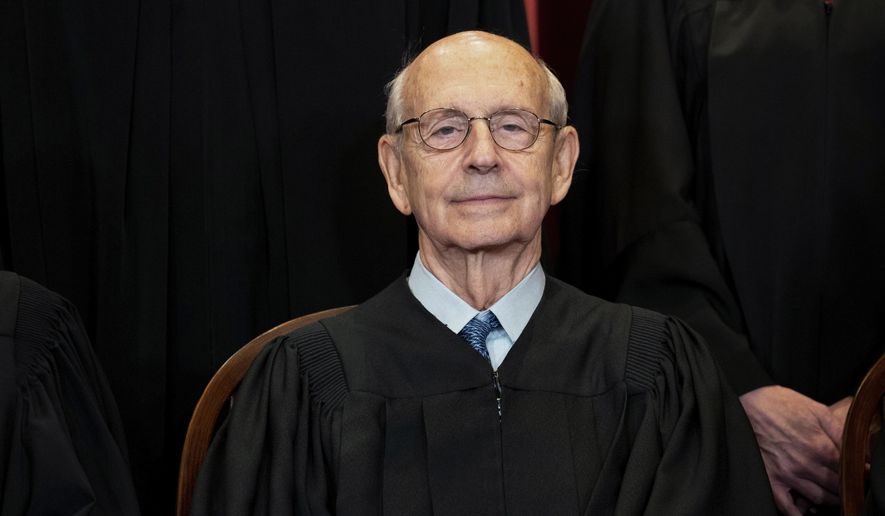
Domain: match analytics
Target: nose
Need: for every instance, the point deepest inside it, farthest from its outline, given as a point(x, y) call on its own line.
point(482, 152)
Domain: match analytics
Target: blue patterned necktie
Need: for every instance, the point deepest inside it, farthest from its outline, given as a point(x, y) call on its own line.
point(477, 330)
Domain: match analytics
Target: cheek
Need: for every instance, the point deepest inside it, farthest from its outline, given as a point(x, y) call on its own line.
point(430, 177)
point(538, 185)
point(426, 194)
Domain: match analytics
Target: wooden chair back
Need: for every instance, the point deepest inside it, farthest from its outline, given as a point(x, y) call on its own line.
point(217, 395)
point(856, 438)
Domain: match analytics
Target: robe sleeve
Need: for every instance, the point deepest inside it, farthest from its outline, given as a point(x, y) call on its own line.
point(694, 451)
point(273, 454)
point(62, 449)
point(635, 226)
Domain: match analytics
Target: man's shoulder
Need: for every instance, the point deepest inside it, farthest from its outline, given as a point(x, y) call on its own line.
point(642, 340)
point(577, 301)
point(391, 306)
point(569, 303)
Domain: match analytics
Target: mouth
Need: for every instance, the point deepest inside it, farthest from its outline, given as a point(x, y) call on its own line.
point(482, 199)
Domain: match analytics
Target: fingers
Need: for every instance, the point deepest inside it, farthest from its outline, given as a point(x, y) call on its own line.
point(824, 479)
point(803, 470)
point(815, 493)
point(801, 502)
point(784, 500)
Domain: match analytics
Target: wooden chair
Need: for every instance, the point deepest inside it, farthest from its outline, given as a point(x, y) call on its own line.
point(217, 395)
point(856, 436)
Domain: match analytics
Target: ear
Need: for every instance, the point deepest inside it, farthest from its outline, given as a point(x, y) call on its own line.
point(565, 156)
point(394, 173)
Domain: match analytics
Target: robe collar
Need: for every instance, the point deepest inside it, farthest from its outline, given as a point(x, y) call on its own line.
point(513, 310)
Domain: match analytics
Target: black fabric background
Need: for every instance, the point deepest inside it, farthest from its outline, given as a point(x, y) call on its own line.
point(733, 155)
point(190, 174)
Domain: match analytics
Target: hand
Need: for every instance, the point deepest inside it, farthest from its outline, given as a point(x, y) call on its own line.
point(799, 439)
point(840, 408)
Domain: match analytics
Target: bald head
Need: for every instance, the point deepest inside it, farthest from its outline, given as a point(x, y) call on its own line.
point(488, 157)
point(475, 53)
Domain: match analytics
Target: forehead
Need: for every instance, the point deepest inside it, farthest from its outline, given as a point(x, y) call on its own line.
point(476, 74)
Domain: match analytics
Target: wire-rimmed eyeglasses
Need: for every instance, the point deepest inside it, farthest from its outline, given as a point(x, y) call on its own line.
point(445, 128)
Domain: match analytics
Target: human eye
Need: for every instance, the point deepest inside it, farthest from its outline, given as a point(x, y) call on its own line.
point(443, 129)
point(511, 122)
point(514, 129)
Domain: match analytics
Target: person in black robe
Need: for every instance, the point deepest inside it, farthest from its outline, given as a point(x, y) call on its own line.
point(62, 448)
point(587, 407)
point(735, 180)
point(173, 167)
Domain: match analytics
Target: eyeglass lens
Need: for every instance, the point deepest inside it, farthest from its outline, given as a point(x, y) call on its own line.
point(512, 129)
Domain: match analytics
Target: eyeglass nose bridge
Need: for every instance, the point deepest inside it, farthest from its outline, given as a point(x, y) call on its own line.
point(488, 120)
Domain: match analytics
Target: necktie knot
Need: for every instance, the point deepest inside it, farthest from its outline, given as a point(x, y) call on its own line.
point(477, 330)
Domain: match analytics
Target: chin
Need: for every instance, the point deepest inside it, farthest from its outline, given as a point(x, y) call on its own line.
point(489, 242)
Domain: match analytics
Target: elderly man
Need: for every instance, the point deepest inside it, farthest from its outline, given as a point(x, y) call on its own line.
point(476, 385)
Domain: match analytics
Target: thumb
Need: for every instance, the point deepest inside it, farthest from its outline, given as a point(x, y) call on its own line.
point(832, 426)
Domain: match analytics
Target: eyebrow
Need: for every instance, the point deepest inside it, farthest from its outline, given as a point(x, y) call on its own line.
point(499, 107)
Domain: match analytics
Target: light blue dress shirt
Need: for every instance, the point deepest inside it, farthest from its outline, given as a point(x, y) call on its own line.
point(513, 310)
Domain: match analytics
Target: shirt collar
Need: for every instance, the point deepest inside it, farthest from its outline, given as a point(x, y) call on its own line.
point(513, 310)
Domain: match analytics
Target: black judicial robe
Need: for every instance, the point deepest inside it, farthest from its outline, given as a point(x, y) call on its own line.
point(736, 179)
point(62, 449)
point(174, 167)
point(606, 409)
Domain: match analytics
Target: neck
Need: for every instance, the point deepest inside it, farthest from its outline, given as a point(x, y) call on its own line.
point(480, 277)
